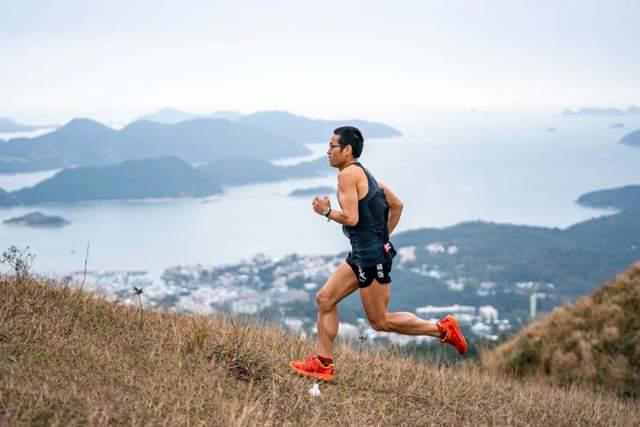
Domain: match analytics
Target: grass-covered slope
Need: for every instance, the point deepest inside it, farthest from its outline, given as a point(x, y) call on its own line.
point(69, 358)
point(595, 342)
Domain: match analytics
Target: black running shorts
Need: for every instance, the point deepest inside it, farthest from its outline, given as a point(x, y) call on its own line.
point(367, 274)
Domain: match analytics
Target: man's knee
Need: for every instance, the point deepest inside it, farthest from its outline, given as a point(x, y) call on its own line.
point(324, 302)
point(379, 325)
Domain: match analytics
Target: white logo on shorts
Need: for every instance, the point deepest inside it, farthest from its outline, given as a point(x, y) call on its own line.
point(380, 274)
point(361, 273)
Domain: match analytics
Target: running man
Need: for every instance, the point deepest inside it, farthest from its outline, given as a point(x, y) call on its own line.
point(369, 213)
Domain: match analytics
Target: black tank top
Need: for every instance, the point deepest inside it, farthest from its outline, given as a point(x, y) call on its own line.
point(371, 232)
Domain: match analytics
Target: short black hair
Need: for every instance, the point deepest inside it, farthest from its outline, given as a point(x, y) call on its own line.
point(352, 136)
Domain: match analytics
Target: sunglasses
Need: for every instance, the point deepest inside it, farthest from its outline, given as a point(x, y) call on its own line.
point(332, 146)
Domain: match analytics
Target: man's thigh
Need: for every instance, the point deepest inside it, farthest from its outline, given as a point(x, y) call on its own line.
point(375, 300)
point(342, 283)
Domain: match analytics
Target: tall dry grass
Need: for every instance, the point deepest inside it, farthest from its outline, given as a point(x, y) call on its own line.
point(594, 342)
point(69, 358)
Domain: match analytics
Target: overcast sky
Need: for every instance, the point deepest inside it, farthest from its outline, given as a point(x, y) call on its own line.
point(324, 59)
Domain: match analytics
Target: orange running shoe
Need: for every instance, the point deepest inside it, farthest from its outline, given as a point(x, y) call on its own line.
point(313, 367)
point(450, 333)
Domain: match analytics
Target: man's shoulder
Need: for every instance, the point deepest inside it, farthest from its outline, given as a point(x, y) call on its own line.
point(350, 178)
point(351, 172)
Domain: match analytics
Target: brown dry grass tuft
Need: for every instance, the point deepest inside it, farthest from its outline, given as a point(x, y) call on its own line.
point(594, 342)
point(69, 358)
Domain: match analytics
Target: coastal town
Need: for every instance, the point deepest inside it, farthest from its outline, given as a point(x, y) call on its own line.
point(283, 291)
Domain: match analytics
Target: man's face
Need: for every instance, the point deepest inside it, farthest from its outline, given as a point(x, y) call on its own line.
point(335, 152)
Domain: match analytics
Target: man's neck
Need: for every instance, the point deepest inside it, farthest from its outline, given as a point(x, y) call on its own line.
point(349, 163)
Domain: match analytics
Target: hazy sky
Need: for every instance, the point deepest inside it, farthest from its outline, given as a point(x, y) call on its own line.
point(323, 59)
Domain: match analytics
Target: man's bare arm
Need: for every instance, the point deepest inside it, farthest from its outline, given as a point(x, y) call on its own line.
point(348, 196)
point(395, 207)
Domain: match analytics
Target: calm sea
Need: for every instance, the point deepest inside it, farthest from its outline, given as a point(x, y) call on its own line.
point(447, 168)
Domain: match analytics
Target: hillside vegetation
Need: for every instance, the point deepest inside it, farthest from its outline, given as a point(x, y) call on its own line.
point(594, 342)
point(70, 358)
point(625, 198)
point(85, 142)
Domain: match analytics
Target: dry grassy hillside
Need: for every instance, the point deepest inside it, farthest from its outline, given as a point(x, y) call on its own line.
point(595, 342)
point(68, 358)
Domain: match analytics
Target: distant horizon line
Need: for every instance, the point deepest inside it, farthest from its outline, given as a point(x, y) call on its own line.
point(131, 114)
